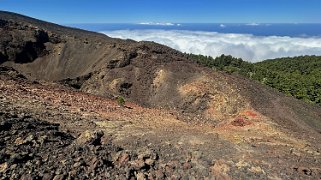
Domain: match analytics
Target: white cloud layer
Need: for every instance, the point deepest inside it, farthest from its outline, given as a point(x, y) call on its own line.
point(249, 47)
point(159, 24)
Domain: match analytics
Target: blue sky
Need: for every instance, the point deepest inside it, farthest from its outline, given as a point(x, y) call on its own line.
point(194, 11)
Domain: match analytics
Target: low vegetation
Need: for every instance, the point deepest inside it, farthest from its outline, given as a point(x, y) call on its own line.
point(121, 101)
point(299, 77)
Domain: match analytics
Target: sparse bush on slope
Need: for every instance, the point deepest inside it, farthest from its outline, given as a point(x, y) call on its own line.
point(121, 101)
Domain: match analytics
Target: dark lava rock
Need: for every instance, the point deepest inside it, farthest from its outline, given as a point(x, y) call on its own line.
point(24, 48)
point(40, 150)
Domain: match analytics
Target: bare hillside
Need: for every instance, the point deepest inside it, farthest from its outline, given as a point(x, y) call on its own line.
point(181, 120)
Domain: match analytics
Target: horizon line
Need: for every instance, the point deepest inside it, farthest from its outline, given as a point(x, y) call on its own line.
point(166, 23)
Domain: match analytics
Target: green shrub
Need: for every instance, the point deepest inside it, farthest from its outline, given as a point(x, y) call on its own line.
point(121, 101)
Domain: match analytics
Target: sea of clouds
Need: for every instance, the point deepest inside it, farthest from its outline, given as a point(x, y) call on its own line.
point(248, 47)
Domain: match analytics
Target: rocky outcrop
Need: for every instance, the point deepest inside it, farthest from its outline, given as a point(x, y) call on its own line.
point(37, 149)
point(22, 44)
